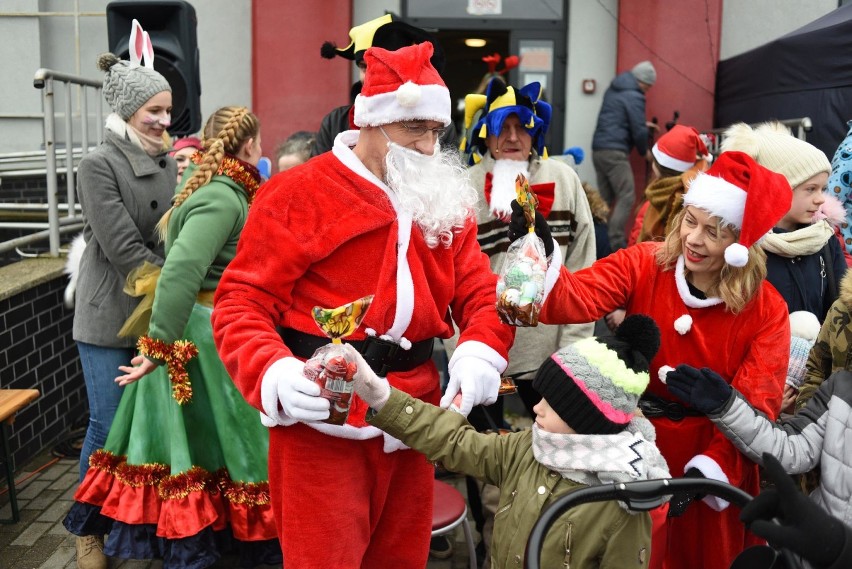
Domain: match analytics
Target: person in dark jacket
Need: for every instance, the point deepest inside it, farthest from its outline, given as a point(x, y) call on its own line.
point(622, 126)
point(804, 259)
point(388, 33)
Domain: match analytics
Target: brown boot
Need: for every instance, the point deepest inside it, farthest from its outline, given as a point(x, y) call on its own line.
point(90, 552)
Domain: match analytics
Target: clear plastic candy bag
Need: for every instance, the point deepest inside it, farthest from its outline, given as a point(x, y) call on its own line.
point(328, 367)
point(520, 283)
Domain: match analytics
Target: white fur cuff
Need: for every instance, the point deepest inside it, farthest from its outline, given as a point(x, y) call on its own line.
point(481, 351)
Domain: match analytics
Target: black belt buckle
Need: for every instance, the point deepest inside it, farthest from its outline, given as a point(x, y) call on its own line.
point(379, 354)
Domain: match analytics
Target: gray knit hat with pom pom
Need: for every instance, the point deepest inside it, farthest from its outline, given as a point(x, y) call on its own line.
point(127, 88)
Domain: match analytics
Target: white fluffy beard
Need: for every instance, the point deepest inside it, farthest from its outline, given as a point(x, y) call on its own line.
point(435, 190)
point(503, 186)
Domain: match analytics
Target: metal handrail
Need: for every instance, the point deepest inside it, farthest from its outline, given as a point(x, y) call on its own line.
point(44, 79)
point(800, 127)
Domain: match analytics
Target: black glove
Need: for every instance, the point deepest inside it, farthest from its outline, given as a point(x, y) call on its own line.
point(803, 527)
point(681, 500)
point(703, 390)
point(518, 227)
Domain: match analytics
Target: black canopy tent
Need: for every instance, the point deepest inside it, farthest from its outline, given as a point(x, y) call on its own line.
point(806, 73)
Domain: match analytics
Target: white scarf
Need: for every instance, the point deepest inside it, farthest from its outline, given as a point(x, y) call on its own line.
point(152, 145)
point(805, 241)
point(602, 459)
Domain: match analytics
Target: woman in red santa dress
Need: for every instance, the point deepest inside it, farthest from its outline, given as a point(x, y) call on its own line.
point(705, 287)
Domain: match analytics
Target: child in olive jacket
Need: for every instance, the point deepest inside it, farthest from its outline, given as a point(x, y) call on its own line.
point(585, 434)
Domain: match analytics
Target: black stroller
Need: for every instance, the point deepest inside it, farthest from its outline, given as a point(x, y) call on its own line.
point(648, 494)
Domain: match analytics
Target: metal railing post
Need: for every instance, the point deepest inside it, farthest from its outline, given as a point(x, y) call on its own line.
point(50, 155)
point(69, 148)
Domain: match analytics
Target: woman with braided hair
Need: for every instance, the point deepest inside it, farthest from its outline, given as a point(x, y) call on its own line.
point(183, 473)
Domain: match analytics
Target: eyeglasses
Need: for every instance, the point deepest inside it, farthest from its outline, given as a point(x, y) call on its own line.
point(420, 130)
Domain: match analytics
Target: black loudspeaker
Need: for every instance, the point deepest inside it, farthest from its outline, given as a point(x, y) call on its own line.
point(171, 25)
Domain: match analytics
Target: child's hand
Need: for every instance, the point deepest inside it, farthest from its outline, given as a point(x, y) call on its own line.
point(374, 390)
point(788, 401)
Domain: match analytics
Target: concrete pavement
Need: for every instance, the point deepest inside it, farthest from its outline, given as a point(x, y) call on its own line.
point(45, 493)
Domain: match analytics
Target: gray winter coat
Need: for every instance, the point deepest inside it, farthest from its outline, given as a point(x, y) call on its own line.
point(820, 434)
point(123, 193)
point(621, 120)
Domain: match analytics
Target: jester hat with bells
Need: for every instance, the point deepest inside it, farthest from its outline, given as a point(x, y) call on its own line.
point(498, 102)
point(385, 32)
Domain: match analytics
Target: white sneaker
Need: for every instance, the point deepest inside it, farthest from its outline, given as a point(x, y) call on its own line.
point(90, 552)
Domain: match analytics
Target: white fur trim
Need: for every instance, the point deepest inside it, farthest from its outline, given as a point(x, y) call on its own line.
point(683, 289)
point(269, 390)
point(409, 94)
point(553, 270)
point(683, 324)
point(717, 197)
point(481, 351)
point(385, 108)
point(804, 324)
point(736, 255)
point(710, 469)
point(663, 372)
point(670, 162)
point(72, 268)
point(404, 280)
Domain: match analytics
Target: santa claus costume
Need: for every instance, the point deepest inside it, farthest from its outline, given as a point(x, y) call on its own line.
point(323, 234)
point(748, 348)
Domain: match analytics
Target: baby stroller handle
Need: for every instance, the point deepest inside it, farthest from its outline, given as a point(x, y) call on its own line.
point(642, 495)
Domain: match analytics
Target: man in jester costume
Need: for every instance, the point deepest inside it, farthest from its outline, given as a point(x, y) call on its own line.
point(385, 213)
point(507, 140)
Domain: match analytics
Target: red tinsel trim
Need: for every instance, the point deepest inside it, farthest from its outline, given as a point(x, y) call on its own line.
point(246, 493)
point(241, 172)
point(105, 460)
point(138, 475)
point(181, 485)
point(176, 356)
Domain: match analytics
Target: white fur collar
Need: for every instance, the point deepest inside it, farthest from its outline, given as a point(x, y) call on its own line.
point(683, 289)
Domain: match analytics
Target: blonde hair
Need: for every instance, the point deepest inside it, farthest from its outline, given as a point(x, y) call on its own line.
point(225, 132)
point(736, 286)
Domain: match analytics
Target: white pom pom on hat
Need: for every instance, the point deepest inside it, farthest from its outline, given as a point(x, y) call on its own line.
point(743, 195)
point(736, 255)
point(408, 95)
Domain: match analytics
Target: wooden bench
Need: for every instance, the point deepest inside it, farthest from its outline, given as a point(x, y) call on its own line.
point(12, 401)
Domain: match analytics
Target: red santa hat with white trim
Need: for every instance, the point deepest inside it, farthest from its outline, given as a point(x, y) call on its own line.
point(744, 195)
point(680, 148)
point(401, 85)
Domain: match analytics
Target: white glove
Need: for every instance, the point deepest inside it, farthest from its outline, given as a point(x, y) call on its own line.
point(476, 379)
point(374, 390)
point(284, 383)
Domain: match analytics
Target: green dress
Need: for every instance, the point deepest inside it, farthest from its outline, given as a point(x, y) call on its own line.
point(183, 474)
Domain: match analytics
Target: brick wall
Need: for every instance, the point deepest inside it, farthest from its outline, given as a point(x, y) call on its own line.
point(30, 189)
point(37, 351)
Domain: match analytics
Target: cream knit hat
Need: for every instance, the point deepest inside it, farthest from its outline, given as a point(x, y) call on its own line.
point(772, 146)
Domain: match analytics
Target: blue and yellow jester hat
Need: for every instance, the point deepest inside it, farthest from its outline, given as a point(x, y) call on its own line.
point(499, 102)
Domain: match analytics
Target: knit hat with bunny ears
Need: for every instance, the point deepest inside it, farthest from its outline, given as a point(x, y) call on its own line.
point(129, 84)
point(745, 196)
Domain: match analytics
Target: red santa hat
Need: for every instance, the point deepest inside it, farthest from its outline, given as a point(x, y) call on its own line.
point(680, 148)
point(401, 85)
point(744, 195)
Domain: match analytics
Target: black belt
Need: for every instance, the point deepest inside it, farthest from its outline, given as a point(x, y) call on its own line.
point(653, 406)
point(382, 356)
